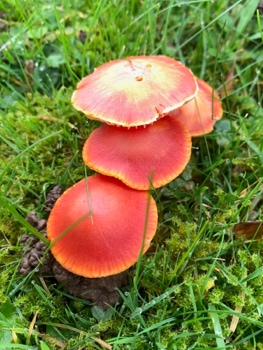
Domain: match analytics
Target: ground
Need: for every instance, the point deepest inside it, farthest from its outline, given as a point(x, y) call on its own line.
point(199, 286)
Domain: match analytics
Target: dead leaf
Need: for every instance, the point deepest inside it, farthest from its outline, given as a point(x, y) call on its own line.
point(249, 230)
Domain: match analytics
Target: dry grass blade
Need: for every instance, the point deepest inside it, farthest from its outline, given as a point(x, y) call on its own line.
point(228, 83)
point(56, 120)
point(235, 319)
point(60, 345)
point(102, 343)
point(31, 327)
point(95, 339)
point(42, 281)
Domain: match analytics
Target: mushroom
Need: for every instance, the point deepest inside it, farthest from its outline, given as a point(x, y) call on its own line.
point(143, 157)
point(135, 91)
point(201, 113)
point(99, 226)
point(102, 292)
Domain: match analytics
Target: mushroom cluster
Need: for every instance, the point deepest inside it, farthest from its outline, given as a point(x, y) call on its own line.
point(159, 104)
point(150, 107)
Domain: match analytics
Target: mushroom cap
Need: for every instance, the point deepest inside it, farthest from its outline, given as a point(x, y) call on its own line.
point(134, 91)
point(99, 226)
point(201, 113)
point(143, 157)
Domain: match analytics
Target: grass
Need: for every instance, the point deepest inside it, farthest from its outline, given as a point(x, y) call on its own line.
point(198, 287)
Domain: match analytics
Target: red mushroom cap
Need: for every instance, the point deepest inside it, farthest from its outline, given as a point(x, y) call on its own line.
point(134, 91)
point(200, 114)
point(99, 226)
point(142, 157)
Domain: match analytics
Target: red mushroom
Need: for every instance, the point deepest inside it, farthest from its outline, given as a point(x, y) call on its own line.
point(135, 91)
point(201, 113)
point(99, 226)
point(143, 157)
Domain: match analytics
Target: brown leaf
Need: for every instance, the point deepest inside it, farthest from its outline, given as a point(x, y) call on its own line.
point(249, 230)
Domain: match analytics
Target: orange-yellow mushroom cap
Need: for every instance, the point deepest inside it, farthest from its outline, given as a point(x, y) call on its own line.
point(98, 226)
point(134, 91)
point(201, 113)
point(142, 157)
